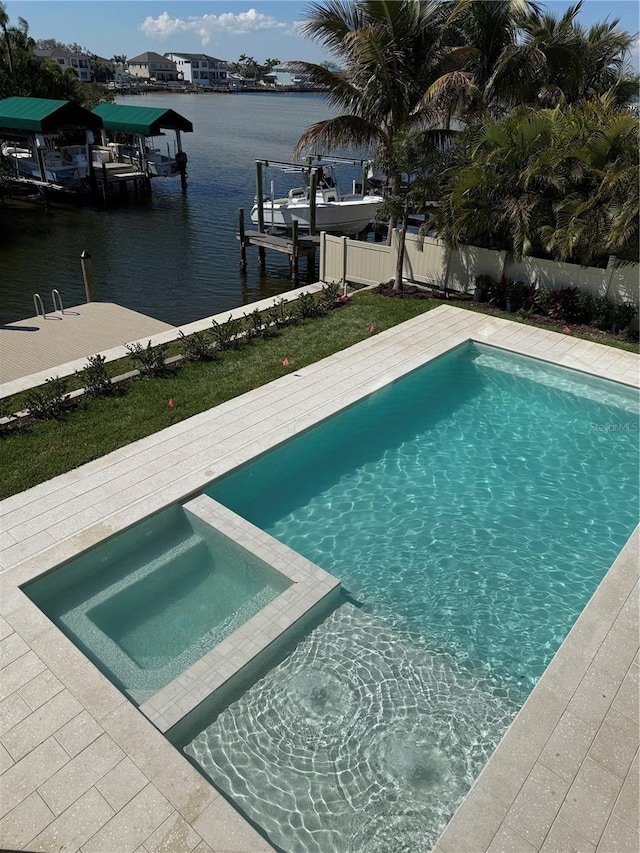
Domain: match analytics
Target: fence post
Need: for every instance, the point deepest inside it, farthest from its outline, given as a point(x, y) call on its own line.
point(344, 264)
point(321, 261)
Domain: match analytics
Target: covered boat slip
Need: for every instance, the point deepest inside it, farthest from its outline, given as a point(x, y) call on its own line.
point(24, 117)
point(146, 121)
point(56, 128)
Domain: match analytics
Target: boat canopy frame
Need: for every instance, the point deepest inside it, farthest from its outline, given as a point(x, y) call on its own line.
point(21, 117)
point(145, 121)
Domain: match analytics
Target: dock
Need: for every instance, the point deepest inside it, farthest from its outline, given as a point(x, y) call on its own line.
point(38, 344)
point(293, 245)
point(306, 245)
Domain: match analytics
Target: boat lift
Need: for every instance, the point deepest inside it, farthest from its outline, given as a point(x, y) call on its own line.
point(313, 169)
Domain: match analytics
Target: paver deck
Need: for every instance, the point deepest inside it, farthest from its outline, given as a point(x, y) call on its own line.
point(42, 343)
point(83, 769)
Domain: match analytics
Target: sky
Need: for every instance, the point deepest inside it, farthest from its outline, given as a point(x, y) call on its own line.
point(222, 28)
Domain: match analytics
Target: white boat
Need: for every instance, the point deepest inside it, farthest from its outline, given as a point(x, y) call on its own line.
point(342, 214)
point(57, 170)
point(158, 165)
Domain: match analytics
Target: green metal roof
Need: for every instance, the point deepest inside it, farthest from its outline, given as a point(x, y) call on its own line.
point(148, 121)
point(41, 115)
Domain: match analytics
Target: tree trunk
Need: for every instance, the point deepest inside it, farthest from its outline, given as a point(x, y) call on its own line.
point(402, 236)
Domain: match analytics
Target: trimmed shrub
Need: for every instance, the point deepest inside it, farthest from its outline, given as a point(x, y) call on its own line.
point(149, 360)
point(49, 400)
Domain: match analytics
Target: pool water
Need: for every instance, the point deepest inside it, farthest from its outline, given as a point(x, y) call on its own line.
point(470, 510)
point(151, 601)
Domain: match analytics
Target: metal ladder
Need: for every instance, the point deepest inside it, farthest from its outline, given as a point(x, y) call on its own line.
point(55, 298)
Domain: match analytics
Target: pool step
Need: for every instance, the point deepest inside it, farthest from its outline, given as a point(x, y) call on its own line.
point(561, 380)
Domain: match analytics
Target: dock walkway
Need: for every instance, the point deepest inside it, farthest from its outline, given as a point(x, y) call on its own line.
point(39, 344)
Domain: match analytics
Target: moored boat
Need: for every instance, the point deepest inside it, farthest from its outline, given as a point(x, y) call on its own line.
point(334, 212)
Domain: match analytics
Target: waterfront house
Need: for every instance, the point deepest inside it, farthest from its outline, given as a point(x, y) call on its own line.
point(79, 62)
point(199, 69)
point(153, 66)
point(284, 75)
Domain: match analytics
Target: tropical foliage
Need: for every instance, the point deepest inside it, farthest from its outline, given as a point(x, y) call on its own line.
point(558, 183)
point(547, 162)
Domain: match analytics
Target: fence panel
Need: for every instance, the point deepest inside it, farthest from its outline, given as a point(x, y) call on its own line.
point(368, 263)
point(468, 262)
point(427, 262)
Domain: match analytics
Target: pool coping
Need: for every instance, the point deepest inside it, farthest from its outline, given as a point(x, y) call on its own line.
point(64, 516)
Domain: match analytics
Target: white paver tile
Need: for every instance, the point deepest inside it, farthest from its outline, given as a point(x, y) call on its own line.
point(173, 835)
point(222, 828)
point(618, 837)
point(78, 733)
point(19, 673)
point(24, 822)
point(11, 647)
point(13, 709)
point(507, 840)
point(590, 800)
point(536, 806)
point(26, 775)
point(5, 628)
point(68, 832)
point(26, 548)
point(40, 689)
point(594, 696)
point(80, 676)
point(627, 806)
point(562, 838)
point(171, 773)
point(568, 746)
point(5, 760)
point(122, 783)
point(131, 826)
point(81, 773)
point(616, 743)
point(37, 727)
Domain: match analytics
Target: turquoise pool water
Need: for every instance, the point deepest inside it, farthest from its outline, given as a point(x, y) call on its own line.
point(154, 599)
point(470, 509)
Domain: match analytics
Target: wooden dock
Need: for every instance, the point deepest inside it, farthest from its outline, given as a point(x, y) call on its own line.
point(306, 245)
point(43, 343)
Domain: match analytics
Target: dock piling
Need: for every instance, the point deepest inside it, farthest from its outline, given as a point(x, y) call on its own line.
point(243, 245)
point(87, 274)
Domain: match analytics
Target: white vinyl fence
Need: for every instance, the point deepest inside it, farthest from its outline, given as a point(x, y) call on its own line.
point(429, 261)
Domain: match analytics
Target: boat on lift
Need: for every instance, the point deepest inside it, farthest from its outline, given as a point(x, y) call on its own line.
point(335, 212)
point(57, 170)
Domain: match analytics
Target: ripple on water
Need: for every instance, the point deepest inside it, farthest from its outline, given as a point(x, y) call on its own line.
point(358, 737)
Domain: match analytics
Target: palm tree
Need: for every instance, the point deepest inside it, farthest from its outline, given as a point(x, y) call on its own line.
point(390, 53)
point(484, 39)
point(4, 20)
point(579, 64)
point(561, 183)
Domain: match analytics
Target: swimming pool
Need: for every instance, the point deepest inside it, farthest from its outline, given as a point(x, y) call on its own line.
point(471, 509)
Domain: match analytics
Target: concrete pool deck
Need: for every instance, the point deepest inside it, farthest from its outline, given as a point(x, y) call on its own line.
point(83, 769)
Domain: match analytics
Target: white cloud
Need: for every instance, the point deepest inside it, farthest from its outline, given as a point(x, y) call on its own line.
point(206, 26)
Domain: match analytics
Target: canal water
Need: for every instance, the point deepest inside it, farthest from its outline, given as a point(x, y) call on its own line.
point(175, 258)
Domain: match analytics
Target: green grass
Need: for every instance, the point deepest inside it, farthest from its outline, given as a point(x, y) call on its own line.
point(31, 456)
